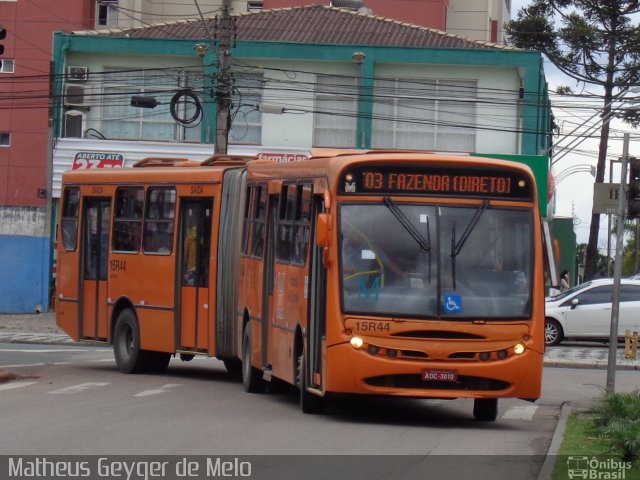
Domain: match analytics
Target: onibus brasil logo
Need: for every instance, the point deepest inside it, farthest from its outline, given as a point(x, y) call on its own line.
point(597, 468)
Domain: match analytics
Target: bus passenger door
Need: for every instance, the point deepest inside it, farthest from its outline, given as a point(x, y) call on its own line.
point(317, 302)
point(268, 301)
point(95, 248)
point(195, 245)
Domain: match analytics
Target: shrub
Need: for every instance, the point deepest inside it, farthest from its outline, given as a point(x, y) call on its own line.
point(616, 420)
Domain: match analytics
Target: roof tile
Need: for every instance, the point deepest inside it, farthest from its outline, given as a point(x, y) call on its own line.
point(317, 24)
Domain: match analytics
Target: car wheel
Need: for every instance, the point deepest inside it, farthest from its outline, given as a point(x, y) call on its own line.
point(552, 332)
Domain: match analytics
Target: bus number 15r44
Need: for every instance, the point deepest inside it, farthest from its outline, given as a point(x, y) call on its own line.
point(373, 326)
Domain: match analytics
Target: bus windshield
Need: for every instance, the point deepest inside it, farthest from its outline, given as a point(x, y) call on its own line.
point(430, 261)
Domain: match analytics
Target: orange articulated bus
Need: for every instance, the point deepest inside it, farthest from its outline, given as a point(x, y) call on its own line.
point(375, 273)
point(138, 257)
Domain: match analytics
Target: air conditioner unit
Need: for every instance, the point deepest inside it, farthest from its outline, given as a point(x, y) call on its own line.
point(74, 124)
point(74, 96)
point(77, 73)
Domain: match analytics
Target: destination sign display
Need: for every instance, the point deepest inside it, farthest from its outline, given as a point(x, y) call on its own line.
point(437, 180)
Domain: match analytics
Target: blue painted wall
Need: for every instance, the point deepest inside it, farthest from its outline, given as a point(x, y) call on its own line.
point(24, 273)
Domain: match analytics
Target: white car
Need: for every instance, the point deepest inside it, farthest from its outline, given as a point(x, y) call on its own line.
point(584, 311)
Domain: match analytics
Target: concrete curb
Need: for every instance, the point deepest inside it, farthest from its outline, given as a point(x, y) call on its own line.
point(592, 366)
point(546, 472)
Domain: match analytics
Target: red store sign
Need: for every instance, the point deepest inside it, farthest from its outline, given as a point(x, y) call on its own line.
point(84, 160)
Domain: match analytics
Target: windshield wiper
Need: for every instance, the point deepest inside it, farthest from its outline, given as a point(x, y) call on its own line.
point(457, 246)
point(423, 243)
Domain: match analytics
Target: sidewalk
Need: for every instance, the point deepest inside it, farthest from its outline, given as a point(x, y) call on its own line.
point(41, 328)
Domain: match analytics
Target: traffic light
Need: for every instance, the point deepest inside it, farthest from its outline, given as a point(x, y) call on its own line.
point(3, 35)
point(633, 189)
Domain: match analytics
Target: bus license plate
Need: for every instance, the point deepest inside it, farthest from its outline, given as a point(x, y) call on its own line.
point(433, 375)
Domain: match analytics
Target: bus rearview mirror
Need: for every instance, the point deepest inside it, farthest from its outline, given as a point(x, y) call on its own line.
point(323, 230)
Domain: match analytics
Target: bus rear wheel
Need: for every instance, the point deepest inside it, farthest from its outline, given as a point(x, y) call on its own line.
point(251, 376)
point(126, 343)
point(485, 409)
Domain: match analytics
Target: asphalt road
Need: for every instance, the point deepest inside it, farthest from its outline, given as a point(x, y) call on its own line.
point(71, 400)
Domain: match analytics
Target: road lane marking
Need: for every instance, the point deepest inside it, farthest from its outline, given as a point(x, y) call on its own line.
point(163, 389)
point(22, 365)
point(48, 350)
point(83, 387)
point(10, 386)
point(520, 413)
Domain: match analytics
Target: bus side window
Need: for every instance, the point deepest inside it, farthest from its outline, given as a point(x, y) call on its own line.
point(70, 209)
point(286, 220)
point(259, 213)
point(302, 229)
point(246, 222)
point(127, 221)
point(159, 219)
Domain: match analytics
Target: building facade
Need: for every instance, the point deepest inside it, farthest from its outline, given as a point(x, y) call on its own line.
point(25, 89)
point(298, 82)
point(140, 13)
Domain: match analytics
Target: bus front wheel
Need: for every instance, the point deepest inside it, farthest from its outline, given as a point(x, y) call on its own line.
point(309, 403)
point(126, 343)
point(485, 409)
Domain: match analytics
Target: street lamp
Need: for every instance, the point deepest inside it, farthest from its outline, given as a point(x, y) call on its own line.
point(583, 167)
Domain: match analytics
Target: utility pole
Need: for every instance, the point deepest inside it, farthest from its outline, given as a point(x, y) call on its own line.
point(617, 273)
point(223, 85)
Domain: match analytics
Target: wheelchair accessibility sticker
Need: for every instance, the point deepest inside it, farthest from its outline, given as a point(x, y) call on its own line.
point(452, 303)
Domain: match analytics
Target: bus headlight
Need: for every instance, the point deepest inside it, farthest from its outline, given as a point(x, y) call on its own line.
point(356, 342)
point(518, 349)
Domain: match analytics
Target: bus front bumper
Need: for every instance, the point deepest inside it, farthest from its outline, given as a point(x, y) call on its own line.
point(359, 371)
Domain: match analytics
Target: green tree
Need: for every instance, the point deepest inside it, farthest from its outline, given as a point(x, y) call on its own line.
point(596, 43)
point(631, 260)
point(630, 265)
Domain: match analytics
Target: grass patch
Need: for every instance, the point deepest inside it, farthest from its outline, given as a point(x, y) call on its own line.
point(578, 438)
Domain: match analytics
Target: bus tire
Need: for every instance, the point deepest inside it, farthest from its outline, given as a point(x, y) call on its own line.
point(251, 376)
point(485, 409)
point(233, 367)
point(309, 403)
point(126, 343)
point(156, 362)
point(553, 333)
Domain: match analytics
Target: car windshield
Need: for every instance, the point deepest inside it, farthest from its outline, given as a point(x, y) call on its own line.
point(432, 261)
